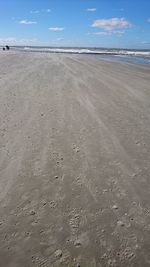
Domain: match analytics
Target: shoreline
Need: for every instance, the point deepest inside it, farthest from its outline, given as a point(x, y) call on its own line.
point(112, 57)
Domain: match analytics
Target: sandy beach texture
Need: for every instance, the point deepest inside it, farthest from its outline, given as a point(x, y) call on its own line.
point(74, 162)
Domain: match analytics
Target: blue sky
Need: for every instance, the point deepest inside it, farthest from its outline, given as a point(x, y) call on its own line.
point(92, 23)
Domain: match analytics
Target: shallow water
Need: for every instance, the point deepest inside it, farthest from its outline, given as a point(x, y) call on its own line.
point(125, 58)
point(133, 56)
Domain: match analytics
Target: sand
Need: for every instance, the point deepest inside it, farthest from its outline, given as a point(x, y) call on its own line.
point(74, 162)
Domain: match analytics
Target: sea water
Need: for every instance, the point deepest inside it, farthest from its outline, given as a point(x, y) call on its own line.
point(134, 56)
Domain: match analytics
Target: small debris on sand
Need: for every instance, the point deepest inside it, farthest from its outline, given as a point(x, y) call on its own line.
point(44, 202)
point(58, 253)
point(76, 149)
point(112, 263)
point(32, 212)
point(105, 190)
point(114, 207)
point(134, 174)
point(120, 223)
point(77, 243)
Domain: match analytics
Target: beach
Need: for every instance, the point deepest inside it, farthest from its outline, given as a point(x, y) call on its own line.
point(74, 161)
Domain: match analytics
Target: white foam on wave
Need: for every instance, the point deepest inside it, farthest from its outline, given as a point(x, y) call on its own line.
point(89, 51)
point(135, 53)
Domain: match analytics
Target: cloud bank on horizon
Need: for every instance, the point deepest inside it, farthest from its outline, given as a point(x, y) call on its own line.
point(76, 23)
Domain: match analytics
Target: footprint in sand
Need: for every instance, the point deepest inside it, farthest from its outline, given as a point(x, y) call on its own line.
point(52, 204)
point(76, 148)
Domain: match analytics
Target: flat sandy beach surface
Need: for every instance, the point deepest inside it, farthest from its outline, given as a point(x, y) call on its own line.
point(74, 162)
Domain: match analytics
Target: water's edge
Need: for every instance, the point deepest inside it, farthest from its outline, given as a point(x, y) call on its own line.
point(134, 56)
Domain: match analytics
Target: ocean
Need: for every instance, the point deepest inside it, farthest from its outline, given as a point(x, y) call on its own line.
point(134, 56)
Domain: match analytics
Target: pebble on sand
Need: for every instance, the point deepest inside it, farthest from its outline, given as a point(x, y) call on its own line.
point(77, 243)
point(58, 253)
point(32, 212)
point(114, 207)
point(120, 223)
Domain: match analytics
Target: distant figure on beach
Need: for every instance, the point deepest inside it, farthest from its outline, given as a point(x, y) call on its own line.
point(6, 48)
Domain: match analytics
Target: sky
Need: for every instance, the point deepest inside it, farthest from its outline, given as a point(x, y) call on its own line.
point(76, 23)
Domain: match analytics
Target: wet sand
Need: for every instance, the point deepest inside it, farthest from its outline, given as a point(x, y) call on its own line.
point(74, 162)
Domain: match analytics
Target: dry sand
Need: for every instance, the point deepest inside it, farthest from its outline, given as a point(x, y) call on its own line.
point(74, 162)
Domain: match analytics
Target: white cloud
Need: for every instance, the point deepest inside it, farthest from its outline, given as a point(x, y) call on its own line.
point(102, 33)
point(56, 29)
point(109, 33)
point(27, 22)
point(91, 9)
point(48, 10)
point(29, 41)
point(111, 25)
point(148, 20)
point(16, 41)
point(34, 11)
point(119, 32)
point(8, 40)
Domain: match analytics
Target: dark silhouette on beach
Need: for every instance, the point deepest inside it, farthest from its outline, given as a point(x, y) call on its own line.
point(6, 48)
